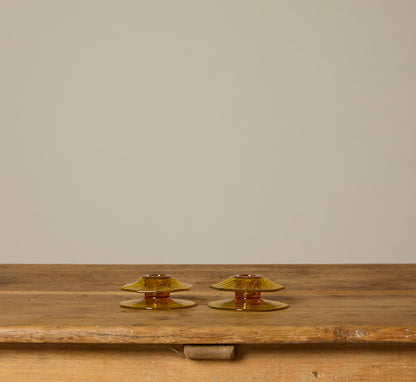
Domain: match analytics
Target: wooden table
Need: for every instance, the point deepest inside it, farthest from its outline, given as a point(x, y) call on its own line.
point(345, 323)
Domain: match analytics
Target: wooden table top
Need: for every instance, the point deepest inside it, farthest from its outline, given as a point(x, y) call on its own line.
point(328, 304)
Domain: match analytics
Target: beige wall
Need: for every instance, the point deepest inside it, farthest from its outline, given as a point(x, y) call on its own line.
point(207, 131)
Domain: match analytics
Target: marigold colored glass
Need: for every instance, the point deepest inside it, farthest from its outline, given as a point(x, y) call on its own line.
point(157, 288)
point(248, 288)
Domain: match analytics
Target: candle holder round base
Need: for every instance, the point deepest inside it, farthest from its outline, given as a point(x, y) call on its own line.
point(168, 304)
point(261, 305)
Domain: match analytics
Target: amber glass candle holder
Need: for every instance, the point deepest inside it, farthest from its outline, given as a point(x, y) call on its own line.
point(157, 288)
point(248, 288)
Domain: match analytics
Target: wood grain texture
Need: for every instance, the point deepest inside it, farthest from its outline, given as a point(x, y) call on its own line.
point(328, 304)
point(265, 363)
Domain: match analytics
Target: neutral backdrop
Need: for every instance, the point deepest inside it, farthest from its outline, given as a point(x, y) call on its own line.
point(207, 131)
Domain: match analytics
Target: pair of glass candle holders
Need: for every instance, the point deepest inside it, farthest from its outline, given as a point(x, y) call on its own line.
point(247, 287)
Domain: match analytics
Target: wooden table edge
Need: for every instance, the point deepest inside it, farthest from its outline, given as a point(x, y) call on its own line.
point(221, 335)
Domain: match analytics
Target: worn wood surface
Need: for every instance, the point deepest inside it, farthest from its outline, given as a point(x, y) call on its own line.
point(265, 363)
point(328, 303)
